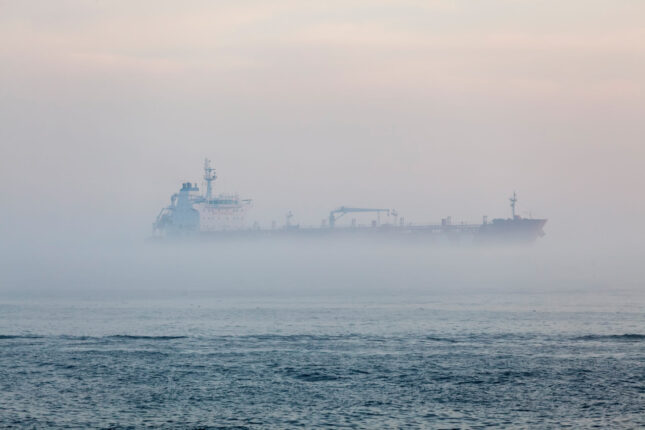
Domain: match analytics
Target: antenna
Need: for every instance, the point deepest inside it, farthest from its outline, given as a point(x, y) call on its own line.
point(513, 202)
point(209, 176)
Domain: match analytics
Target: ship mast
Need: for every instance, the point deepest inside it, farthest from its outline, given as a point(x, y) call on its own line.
point(209, 177)
point(513, 202)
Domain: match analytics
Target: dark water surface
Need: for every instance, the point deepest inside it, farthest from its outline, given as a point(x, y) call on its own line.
point(546, 361)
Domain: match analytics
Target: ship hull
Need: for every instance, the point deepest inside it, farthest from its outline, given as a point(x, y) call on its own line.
point(519, 231)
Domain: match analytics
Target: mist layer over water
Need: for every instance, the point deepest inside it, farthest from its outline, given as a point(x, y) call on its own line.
point(124, 268)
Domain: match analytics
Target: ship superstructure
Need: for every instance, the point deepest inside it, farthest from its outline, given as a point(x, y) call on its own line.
point(191, 213)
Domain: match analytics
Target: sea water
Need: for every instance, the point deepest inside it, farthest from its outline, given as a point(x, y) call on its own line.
point(475, 360)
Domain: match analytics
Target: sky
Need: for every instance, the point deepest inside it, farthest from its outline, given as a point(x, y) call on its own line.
point(433, 108)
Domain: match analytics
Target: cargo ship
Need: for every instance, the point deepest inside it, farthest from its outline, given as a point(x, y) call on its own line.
point(205, 215)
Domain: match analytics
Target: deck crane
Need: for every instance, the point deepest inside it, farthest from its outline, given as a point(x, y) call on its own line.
point(337, 213)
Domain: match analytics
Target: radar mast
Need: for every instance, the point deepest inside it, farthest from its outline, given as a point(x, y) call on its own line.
point(513, 201)
point(209, 177)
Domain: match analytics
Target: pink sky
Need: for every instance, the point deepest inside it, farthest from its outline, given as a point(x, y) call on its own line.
point(432, 107)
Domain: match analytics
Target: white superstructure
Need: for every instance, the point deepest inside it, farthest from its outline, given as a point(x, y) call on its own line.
point(190, 212)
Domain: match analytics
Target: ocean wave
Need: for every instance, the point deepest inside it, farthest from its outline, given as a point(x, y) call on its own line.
point(316, 377)
point(141, 337)
point(440, 339)
point(632, 337)
point(19, 336)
